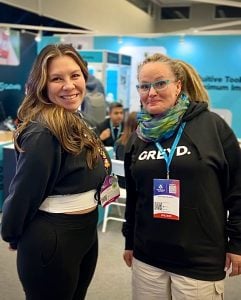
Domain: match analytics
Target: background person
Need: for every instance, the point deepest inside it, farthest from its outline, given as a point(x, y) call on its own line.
point(50, 215)
point(183, 177)
point(130, 126)
point(119, 148)
point(112, 128)
point(94, 104)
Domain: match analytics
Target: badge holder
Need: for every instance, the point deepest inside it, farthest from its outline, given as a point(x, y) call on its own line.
point(166, 199)
point(110, 190)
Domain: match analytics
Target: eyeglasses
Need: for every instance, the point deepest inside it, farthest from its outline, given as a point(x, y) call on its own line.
point(160, 85)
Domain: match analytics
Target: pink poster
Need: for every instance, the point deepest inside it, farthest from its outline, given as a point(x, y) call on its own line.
point(9, 47)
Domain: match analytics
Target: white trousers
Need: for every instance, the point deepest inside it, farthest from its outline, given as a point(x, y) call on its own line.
point(150, 283)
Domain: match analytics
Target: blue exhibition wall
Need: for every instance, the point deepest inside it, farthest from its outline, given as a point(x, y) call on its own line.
point(216, 58)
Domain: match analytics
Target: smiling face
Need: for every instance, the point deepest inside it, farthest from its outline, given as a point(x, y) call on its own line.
point(157, 101)
point(65, 83)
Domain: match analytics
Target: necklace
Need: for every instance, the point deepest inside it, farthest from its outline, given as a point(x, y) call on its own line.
point(104, 158)
point(100, 148)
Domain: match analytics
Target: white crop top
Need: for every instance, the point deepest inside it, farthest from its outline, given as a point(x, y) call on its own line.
point(69, 203)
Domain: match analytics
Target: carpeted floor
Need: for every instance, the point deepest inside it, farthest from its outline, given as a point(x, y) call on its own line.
point(112, 278)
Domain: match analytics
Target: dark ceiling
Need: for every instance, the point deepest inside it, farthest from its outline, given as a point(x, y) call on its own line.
point(13, 15)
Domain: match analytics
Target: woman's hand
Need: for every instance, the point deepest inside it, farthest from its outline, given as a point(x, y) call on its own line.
point(128, 256)
point(233, 262)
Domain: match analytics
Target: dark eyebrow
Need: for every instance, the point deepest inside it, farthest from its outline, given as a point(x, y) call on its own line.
point(78, 70)
point(59, 74)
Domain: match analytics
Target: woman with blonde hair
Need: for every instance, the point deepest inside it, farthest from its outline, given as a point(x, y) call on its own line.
point(183, 182)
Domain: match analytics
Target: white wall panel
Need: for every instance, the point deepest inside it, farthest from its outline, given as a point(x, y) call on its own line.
point(31, 5)
point(102, 16)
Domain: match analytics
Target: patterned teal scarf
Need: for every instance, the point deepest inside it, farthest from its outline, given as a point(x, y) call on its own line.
point(161, 127)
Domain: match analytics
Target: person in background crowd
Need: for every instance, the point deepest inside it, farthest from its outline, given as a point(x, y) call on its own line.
point(183, 181)
point(94, 104)
point(93, 83)
point(112, 128)
point(129, 127)
point(50, 216)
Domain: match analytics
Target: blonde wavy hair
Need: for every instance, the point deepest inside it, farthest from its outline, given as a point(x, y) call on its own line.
point(72, 132)
point(191, 82)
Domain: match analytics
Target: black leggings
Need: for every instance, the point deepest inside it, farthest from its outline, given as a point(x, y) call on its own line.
point(57, 256)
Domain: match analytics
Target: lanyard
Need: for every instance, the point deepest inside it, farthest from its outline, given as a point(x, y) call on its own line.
point(168, 158)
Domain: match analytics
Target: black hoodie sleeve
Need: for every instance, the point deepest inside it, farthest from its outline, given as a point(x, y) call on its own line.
point(233, 194)
point(36, 172)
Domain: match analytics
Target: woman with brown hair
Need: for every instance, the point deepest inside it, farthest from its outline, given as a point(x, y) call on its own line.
point(50, 216)
point(130, 126)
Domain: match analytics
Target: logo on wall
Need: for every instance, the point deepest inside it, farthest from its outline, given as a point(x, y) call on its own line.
point(9, 47)
point(9, 86)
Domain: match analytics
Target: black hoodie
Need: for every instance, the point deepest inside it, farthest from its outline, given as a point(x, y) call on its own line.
point(44, 169)
point(207, 161)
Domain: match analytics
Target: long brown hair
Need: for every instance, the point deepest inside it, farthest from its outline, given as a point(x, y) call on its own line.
point(129, 127)
point(71, 132)
point(191, 82)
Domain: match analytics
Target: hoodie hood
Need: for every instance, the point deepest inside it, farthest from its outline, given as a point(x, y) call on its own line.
point(194, 109)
